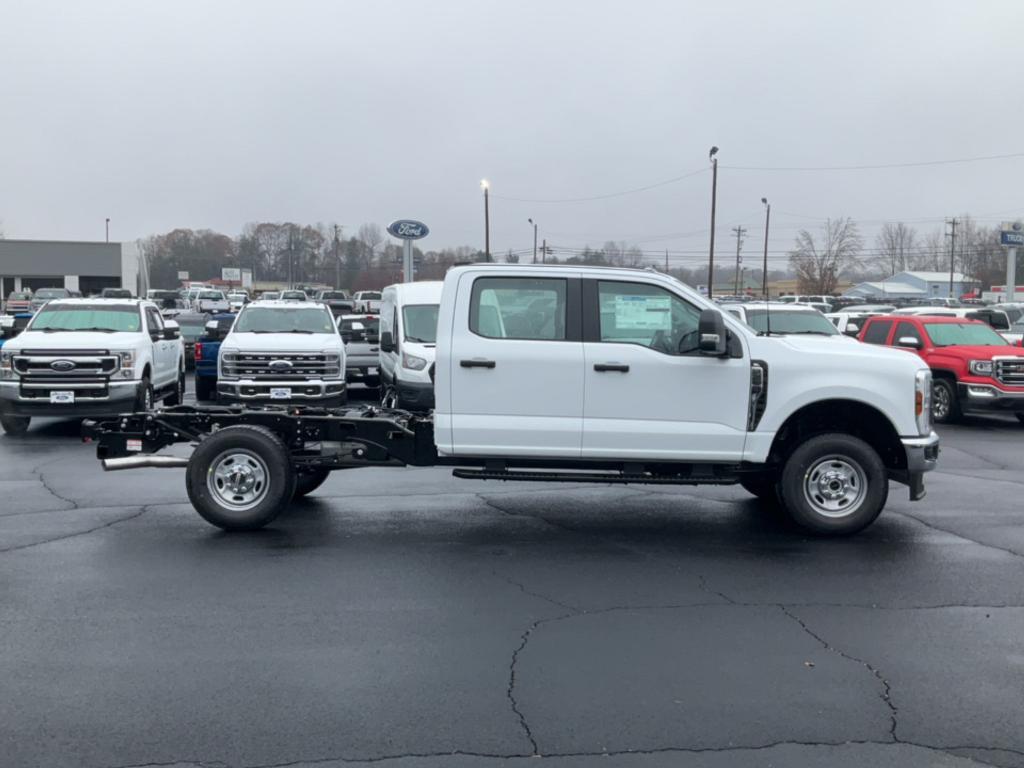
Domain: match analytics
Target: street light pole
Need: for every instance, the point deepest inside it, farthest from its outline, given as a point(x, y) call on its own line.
point(534, 239)
point(714, 195)
point(108, 229)
point(487, 219)
point(764, 273)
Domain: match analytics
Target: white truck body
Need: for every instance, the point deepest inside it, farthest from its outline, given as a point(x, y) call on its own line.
point(587, 374)
point(77, 372)
point(367, 302)
point(407, 354)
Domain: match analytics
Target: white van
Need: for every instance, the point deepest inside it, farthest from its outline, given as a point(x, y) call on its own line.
point(408, 336)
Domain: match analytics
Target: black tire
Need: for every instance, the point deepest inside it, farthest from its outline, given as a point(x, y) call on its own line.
point(144, 400)
point(268, 454)
point(945, 403)
point(826, 472)
point(177, 397)
point(16, 426)
point(763, 485)
point(307, 482)
point(205, 389)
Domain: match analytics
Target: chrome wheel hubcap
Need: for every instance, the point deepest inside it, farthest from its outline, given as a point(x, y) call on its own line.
point(238, 479)
point(940, 401)
point(835, 486)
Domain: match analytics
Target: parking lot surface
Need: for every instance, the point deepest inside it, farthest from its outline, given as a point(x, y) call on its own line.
point(406, 618)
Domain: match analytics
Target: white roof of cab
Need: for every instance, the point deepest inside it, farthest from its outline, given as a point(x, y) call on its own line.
point(428, 291)
point(97, 300)
point(285, 304)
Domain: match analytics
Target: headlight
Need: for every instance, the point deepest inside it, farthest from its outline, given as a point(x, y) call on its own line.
point(923, 402)
point(6, 365)
point(412, 362)
point(981, 367)
point(127, 364)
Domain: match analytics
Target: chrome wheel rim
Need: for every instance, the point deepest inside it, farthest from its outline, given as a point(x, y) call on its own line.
point(238, 479)
point(147, 399)
point(835, 486)
point(940, 401)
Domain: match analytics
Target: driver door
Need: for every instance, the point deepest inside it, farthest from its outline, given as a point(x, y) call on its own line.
point(648, 393)
point(163, 351)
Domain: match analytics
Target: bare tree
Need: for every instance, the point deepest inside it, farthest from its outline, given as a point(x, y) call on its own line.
point(818, 266)
point(895, 246)
point(371, 237)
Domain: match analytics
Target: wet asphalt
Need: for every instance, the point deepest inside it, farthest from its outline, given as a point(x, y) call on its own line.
point(402, 617)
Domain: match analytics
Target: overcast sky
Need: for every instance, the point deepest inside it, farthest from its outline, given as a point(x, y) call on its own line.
point(213, 114)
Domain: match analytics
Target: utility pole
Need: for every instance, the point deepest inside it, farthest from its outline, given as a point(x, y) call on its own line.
point(952, 253)
point(534, 223)
point(291, 259)
point(487, 219)
point(739, 232)
point(714, 195)
point(337, 260)
point(666, 261)
point(764, 273)
point(544, 252)
point(108, 229)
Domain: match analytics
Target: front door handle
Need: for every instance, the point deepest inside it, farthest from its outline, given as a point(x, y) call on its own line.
point(477, 363)
point(605, 367)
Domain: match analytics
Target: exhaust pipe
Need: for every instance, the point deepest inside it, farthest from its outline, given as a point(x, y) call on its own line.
point(140, 462)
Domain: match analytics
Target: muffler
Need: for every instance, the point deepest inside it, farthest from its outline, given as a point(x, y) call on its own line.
point(141, 462)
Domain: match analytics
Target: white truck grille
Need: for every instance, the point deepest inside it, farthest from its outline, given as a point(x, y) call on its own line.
point(86, 372)
point(268, 366)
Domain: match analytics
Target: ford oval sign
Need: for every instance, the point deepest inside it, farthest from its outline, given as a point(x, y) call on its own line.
point(63, 366)
point(407, 229)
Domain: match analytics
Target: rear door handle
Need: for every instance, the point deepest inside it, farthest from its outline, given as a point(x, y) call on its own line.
point(605, 367)
point(477, 363)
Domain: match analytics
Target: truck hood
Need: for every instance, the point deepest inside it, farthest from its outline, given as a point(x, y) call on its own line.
point(282, 342)
point(73, 340)
point(839, 352)
point(966, 352)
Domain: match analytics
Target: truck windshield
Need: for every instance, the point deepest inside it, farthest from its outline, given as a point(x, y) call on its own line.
point(284, 320)
point(420, 322)
point(87, 317)
point(967, 334)
point(790, 321)
point(51, 293)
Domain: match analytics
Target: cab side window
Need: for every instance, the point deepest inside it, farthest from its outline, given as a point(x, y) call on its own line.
point(519, 308)
point(648, 315)
point(877, 332)
point(906, 330)
point(153, 321)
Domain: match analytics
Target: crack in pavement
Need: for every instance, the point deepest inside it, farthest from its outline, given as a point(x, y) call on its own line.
point(885, 695)
point(731, 749)
point(108, 524)
point(934, 527)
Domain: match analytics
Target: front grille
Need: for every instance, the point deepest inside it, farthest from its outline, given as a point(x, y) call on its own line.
point(281, 367)
point(85, 372)
point(1010, 371)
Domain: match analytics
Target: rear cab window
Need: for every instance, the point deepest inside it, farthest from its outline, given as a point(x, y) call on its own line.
point(519, 308)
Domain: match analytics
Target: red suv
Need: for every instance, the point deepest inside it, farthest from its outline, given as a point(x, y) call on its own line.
point(974, 368)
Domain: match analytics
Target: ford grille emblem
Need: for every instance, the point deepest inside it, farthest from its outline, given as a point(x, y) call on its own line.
point(279, 365)
point(63, 365)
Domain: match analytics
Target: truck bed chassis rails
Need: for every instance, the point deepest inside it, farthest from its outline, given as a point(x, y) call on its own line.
point(316, 437)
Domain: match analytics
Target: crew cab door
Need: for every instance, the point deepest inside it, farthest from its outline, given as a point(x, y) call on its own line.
point(516, 367)
point(649, 394)
point(164, 357)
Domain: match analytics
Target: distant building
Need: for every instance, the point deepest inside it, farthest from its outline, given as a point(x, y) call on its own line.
point(913, 285)
point(88, 267)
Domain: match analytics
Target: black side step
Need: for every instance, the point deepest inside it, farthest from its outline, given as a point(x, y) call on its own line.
point(621, 478)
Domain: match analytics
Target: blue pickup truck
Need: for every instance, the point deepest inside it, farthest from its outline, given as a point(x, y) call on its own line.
point(207, 347)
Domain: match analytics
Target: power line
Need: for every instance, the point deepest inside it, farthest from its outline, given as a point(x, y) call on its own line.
point(620, 193)
point(871, 167)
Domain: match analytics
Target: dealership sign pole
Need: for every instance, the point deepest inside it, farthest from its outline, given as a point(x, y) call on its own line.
point(407, 230)
point(1011, 236)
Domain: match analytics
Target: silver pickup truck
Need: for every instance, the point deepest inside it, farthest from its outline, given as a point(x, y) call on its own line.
point(361, 334)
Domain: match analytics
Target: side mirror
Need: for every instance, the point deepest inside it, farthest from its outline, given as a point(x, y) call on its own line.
point(172, 330)
point(346, 337)
point(213, 330)
point(909, 342)
point(711, 334)
point(387, 343)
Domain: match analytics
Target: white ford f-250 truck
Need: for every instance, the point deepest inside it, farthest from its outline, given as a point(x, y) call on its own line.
point(578, 374)
point(85, 357)
point(280, 352)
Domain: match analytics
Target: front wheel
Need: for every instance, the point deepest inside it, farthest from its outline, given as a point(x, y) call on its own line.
point(240, 478)
point(15, 425)
point(834, 484)
point(945, 404)
point(177, 397)
point(144, 400)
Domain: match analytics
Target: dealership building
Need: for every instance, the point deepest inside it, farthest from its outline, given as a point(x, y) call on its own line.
point(78, 266)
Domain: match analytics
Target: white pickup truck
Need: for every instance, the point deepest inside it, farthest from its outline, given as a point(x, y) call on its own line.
point(82, 357)
point(576, 374)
